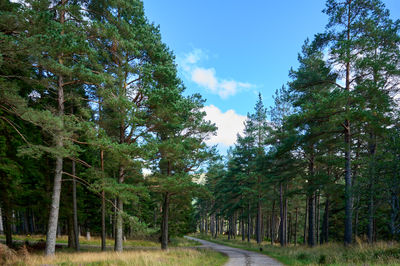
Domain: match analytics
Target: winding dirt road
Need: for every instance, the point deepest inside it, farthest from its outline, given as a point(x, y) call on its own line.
point(238, 257)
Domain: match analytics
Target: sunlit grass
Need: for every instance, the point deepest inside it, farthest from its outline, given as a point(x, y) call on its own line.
point(381, 253)
point(180, 257)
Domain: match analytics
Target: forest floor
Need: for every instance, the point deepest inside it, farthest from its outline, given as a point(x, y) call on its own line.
point(381, 253)
point(182, 252)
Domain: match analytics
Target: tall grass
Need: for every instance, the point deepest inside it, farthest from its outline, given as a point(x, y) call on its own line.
point(180, 257)
point(381, 253)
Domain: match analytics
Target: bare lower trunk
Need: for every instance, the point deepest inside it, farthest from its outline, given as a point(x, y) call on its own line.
point(103, 208)
point(229, 227)
point(370, 218)
point(311, 201)
point(273, 223)
point(164, 229)
point(395, 207)
point(242, 227)
point(114, 229)
point(248, 222)
point(258, 224)
point(285, 222)
point(317, 218)
point(348, 191)
point(289, 230)
point(305, 222)
point(234, 223)
point(54, 208)
point(118, 246)
point(295, 229)
point(75, 209)
point(71, 236)
point(325, 223)
point(282, 214)
point(311, 219)
point(216, 226)
point(371, 207)
point(7, 215)
point(212, 224)
point(103, 221)
point(1, 222)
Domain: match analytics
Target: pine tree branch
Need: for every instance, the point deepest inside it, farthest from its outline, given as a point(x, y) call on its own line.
point(88, 185)
point(80, 161)
point(11, 124)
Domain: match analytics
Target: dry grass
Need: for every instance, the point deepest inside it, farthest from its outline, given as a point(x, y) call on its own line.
point(6, 254)
point(180, 257)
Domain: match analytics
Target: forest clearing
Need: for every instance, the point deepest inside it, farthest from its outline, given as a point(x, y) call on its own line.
point(121, 143)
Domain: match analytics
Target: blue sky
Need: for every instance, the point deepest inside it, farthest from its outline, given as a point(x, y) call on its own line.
point(229, 50)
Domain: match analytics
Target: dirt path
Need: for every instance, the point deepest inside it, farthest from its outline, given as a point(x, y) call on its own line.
point(238, 257)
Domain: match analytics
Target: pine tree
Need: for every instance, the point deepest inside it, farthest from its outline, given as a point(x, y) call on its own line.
point(349, 32)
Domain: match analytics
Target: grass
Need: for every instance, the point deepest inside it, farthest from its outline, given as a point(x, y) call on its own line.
point(381, 253)
point(172, 256)
point(96, 241)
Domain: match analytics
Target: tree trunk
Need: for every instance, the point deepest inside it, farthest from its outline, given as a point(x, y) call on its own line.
point(282, 214)
point(212, 224)
point(164, 229)
point(372, 148)
point(273, 223)
point(103, 208)
point(229, 227)
point(71, 234)
point(347, 140)
point(1, 222)
point(262, 227)
point(305, 222)
point(216, 226)
point(55, 205)
point(311, 218)
point(248, 222)
point(118, 245)
point(234, 225)
point(258, 223)
point(290, 230)
point(325, 222)
point(285, 232)
point(55, 200)
point(7, 216)
point(242, 229)
point(295, 228)
point(317, 218)
point(394, 212)
point(311, 201)
point(75, 209)
point(114, 229)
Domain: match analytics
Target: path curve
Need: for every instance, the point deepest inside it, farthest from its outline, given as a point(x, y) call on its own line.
point(237, 256)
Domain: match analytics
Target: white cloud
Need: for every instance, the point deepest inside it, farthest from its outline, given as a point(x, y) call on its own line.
point(190, 59)
point(229, 125)
point(207, 77)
